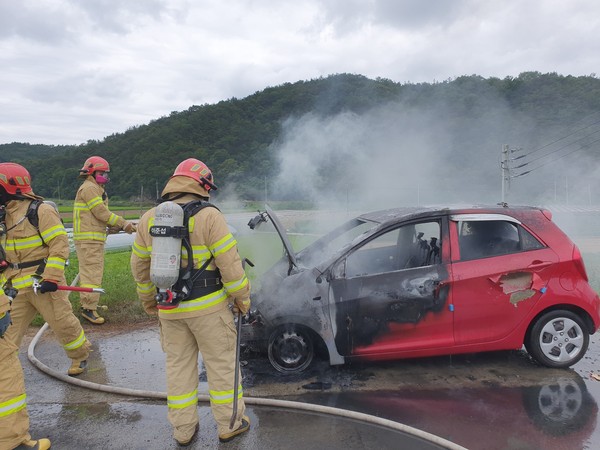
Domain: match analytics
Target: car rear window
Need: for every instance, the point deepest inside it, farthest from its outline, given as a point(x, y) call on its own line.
point(485, 238)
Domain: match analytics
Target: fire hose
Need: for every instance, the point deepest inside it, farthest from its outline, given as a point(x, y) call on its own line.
point(257, 401)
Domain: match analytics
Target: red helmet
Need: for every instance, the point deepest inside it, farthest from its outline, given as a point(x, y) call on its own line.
point(197, 170)
point(94, 164)
point(15, 179)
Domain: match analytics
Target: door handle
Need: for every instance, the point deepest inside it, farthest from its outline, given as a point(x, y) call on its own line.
point(538, 264)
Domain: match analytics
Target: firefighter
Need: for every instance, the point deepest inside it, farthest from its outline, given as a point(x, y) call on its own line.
point(202, 322)
point(91, 221)
point(36, 254)
point(14, 420)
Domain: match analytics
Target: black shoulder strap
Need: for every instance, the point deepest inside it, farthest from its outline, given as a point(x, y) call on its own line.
point(192, 208)
point(188, 275)
point(33, 217)
point(32, 213)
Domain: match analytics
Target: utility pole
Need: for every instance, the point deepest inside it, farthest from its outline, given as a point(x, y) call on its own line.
point(505, 172)
point(506, 168)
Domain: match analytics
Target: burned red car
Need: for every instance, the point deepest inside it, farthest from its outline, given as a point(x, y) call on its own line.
point(417, 282)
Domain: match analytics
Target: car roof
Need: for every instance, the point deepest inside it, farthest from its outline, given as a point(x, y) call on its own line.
point(397, 214)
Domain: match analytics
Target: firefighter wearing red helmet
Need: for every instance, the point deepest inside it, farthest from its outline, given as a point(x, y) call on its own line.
point(202, 321)
point(33, 255)
point(91, 220)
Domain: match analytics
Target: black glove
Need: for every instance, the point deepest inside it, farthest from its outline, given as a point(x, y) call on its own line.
point(4, 323)
point(48, 286)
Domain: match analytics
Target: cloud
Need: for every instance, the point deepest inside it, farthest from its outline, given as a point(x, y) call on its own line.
point(146, 58)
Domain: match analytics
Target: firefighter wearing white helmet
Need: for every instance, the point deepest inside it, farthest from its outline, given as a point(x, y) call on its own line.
point(34, 254)
point(194, 316)
point(91, 221)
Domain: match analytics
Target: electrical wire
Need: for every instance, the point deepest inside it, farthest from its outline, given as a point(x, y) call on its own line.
point(568, 135)
point(561, 148)
point(554, 160)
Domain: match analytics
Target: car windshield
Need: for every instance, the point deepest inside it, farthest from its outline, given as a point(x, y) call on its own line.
point(334, 241)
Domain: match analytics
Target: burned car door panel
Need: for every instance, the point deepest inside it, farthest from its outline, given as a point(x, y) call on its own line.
point(385, 289)
point(391, 312)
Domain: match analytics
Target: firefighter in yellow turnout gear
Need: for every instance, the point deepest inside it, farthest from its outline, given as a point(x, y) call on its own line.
point(203, 322)
point(36, 255)
point(91, 218)
point(14, 420)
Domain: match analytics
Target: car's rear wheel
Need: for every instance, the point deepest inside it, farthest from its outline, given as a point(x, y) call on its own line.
point(558, 339)
point(290, 349)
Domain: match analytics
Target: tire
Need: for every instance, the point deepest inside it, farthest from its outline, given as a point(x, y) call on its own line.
point(558, 339)
point(290, 349)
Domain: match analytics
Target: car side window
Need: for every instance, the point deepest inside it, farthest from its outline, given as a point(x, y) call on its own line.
point(406, 247)
point(482, 239)
point(528, 241)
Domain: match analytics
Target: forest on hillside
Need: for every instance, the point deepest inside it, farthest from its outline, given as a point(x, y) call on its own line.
point(346, 139)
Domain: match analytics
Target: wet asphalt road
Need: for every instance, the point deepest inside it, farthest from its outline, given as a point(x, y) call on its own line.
point(485, 401)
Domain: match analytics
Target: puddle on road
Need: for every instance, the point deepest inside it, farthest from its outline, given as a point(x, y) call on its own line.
point(131, 360)
point(560, 414)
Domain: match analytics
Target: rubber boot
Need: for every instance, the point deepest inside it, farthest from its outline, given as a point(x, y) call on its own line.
point(186, 443)
point(92, 316)
point(77, 367)
point(40, 444)
point(245, 426)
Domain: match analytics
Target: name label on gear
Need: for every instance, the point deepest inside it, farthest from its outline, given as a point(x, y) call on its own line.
point(165, 231)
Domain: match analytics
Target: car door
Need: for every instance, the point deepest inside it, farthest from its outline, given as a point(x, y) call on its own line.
point(499, 272)
point(389, 292)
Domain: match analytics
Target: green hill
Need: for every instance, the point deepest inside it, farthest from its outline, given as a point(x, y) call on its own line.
point(446, 133)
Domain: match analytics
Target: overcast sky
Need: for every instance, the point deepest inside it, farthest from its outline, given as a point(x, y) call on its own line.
point(74, 70)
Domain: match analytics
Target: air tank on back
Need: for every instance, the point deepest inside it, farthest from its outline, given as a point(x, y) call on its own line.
point(166, 249)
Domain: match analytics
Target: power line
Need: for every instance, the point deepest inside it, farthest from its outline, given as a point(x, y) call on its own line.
point(556, 159)
point(563, 147)
point(568, 135)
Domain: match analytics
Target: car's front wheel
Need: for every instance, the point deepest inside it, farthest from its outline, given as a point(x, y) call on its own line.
point(558, 339)
point(290, 349)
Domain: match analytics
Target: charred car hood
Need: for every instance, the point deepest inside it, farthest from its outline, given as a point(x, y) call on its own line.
point(287, 245)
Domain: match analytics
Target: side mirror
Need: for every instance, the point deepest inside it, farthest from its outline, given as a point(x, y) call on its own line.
point(257, 220)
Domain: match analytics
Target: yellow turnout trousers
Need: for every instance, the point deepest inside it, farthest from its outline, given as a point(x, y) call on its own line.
point(14, 420)
point(56, 309)
point(91, 270)
point(214, 336)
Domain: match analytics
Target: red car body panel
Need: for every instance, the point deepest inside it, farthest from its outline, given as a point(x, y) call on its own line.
point(476, 285)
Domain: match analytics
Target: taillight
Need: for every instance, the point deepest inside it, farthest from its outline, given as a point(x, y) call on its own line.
point(579, 264)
